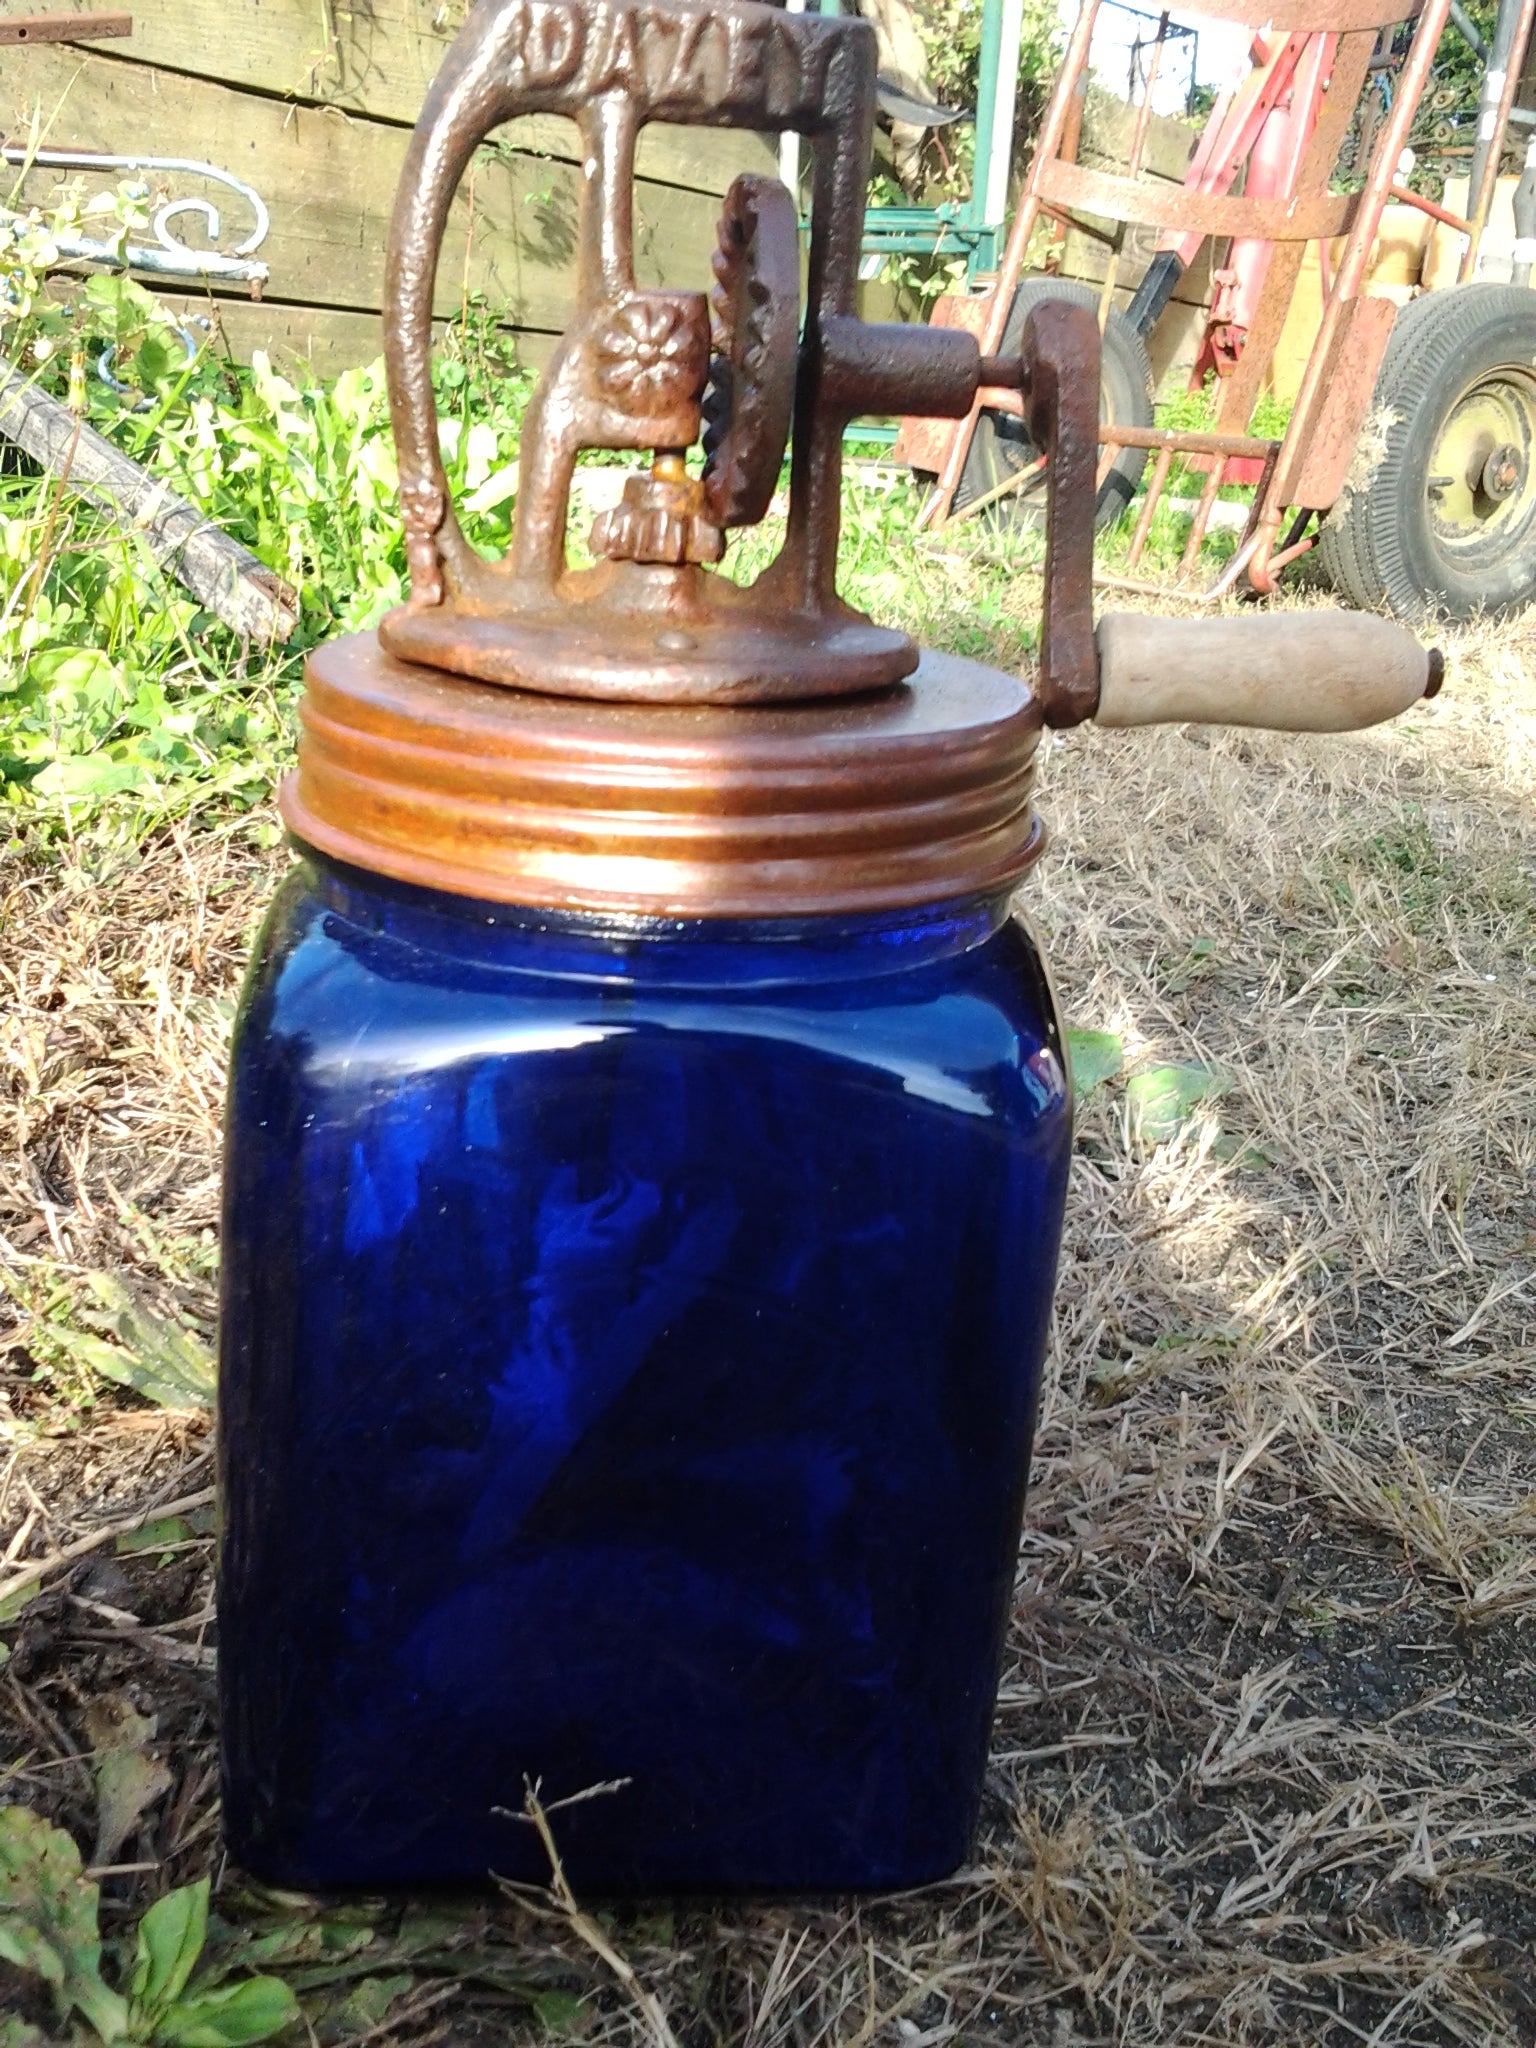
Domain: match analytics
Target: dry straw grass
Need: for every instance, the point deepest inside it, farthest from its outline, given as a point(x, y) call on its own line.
point(1265, 1755)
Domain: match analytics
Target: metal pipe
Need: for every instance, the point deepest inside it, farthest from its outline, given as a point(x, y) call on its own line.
point(998, 158)
point(1181, 443)
point(95, 160)
point(1469, 31)
point(1202, 518)
point(172, 257)
point(1487, 184)
point(1074, 63)
point(1524, 251)
point(1160, 470)
point(1497, 62)
point(1404, 197)
point(1133, 166)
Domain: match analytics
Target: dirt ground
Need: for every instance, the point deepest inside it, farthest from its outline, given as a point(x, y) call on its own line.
point(1264, 1768)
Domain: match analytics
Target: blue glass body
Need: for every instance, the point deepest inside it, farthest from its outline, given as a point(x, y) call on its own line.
point(632, 1336)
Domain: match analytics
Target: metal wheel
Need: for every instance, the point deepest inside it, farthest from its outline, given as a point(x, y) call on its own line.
point(1481, 487)
point(1439, 515)
point(1000, 448)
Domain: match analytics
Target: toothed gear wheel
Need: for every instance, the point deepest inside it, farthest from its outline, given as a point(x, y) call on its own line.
point(755, 315)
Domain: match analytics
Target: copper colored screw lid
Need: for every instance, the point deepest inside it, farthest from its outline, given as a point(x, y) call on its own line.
point(915, 794)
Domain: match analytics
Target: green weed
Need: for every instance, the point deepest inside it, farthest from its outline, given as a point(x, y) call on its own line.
point(113, 683)
point(48, 1928)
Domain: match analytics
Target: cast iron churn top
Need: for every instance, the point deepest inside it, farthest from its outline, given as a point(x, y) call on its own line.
point(644, 735)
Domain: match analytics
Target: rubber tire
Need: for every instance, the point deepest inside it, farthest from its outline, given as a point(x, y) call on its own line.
point(999, 446)
point(1378, 547)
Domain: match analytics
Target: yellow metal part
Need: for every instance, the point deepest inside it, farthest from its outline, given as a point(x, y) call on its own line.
point(1482, 475)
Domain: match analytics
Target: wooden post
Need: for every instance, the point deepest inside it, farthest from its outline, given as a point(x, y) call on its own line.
point(222, 575)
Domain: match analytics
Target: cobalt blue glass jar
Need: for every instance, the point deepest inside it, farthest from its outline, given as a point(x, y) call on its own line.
point(633, 1318)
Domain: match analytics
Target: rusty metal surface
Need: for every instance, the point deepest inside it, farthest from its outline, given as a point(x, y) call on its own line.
point(524, 732)
point(1348, 383)
point(1160, 470)
point(1202, 518)
point(64, 28)
point(1315, 17)
point(631, 369)
point(1401, 196)
point(646, 370)
point(918, 793)
point(755, 313)
point(1062, 189)
point(1187, 443)
point(923, 439)
point(1240, 391)
point(1298, 219)
point(1060, 380)
point(1348, 283)
point(1060, 126)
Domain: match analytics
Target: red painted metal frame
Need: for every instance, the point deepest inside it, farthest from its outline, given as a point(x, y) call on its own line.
point(64, 28)
point(1204, 206)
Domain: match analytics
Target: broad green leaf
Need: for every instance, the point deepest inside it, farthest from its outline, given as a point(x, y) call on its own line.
point(48, 1918)
point(121, 306)
point(29, 1949)
point(170, 1529)
point(312, 1954)
point(1163, 1099)
point(81, 775)
point(252, 2011)
point(156, 358)
point(1096, 1056)
point(74, 668)
point(171, 1937)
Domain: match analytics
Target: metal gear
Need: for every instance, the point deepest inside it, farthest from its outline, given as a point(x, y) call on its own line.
point(755, 314)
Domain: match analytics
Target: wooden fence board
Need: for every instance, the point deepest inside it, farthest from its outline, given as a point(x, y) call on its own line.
point(329, 180)
point(377, 57)
point(323, 337)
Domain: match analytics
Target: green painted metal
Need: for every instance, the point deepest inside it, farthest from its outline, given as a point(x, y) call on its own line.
point(958, 227)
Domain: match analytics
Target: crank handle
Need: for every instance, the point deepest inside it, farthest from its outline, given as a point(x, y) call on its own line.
point(1057, 374)
point(1288, 671)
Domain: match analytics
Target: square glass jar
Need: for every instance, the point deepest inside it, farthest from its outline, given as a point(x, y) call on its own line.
point(632, 1338)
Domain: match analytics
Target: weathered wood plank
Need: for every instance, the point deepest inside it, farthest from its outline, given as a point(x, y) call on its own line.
point(323, 338)
point(218, 571)
point(329, 179)
point(378, 57)
point(1108, 126)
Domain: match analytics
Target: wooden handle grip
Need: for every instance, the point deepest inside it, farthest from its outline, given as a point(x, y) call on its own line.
point(1290, 671)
